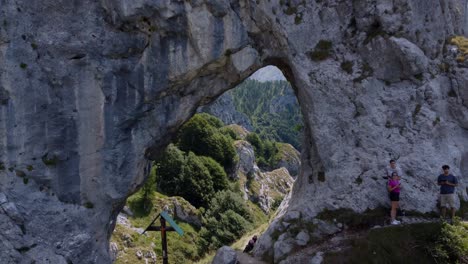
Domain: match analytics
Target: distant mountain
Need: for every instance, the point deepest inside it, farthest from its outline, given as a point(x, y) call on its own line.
point(268, 73)
point(272, 109)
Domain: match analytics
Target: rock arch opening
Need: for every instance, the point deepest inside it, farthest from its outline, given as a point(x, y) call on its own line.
point(221, 195)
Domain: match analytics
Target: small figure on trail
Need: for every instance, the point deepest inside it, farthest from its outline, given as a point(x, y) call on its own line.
point(393, 167)
point(394, 186)
point(447, 183)
point(250, 245)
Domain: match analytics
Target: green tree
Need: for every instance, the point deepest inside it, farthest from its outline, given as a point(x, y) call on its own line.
point(217, 174)
point(204, 139)
point(170, 178)
point(148, 189)
point(198, 185)
point(212, 120)
point(196, 178)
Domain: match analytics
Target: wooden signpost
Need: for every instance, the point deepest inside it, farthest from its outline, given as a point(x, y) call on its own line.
point(164, 216)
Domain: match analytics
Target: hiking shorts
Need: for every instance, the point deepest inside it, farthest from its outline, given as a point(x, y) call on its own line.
point(447, 200)
point(394, 196)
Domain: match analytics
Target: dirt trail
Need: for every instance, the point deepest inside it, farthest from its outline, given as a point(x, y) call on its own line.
point(244, 258)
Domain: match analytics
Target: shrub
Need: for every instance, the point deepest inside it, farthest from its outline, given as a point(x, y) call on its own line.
point(321, 51)
point(227, 219)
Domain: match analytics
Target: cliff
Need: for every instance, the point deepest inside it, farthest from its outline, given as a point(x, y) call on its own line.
point(90, 90)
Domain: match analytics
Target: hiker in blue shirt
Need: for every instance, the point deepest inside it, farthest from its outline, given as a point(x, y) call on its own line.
point(447, 183)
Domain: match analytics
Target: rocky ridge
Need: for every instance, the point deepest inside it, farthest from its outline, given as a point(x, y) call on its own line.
point(91, 90)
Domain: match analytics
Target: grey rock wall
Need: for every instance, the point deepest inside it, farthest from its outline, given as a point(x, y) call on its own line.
point(91, 90)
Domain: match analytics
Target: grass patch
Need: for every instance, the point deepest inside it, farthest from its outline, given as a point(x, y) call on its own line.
point(49, 161)
point(416, 111)
point(400, 244)
point(462, 44)
point(347, 66)
point(463, 211)
point(322, 51)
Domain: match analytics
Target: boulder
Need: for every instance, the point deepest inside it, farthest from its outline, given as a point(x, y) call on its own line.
point(225, 255)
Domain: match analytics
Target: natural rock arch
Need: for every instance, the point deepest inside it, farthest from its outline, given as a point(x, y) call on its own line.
point(90, 89)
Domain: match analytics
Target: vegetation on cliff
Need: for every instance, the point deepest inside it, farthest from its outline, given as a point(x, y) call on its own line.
point(190, 179)
point(272, 108)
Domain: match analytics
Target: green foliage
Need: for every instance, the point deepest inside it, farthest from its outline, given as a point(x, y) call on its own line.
point(212, 120)
point(347, 66)
point(198, 186)
point(227, 219)
point(452, 245)
point(276, 203)
point(272, 109)
point(196, 178)
point(148, 189)
point(201, 135)
point(170, 177)
point(265, 150)
point(399, 244)
point(49, 160)
point(416, 243)
point(217, 173)
point(229, 132)
point(322, 51)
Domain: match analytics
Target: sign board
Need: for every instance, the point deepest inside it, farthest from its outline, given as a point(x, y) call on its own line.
point(166, 216)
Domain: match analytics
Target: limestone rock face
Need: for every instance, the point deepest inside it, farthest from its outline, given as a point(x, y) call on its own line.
point(91, 90)
point(246, 154)
point(262, 187)
point(290, 159)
